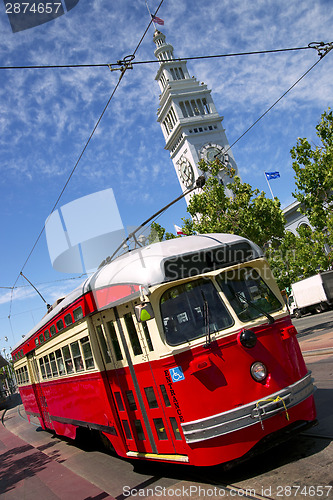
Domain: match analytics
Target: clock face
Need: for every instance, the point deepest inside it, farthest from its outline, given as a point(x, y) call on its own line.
point(210, 152)
point(185, 171)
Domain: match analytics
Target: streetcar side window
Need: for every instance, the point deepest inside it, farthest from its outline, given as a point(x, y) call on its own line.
point(47, 334)
point(114, 340)
point(160, 429)
point(54, 368)
point(60, 362)
point(247, 293)
point(102, 341)
point(47, 366)
point(42, 367)
point(53, 330)
point(77, 358)
point(175, 428)
point(68, 319)
point(68, 359)
point(151, 398)
point(133, 334)
point(60, 325)
point(87, 353)
point(78, 313)
point(22, 375)
point(191, 310)
point(41, 338)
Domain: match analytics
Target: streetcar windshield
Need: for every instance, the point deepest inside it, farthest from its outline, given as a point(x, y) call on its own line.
point(192, 310)
point(247, 293)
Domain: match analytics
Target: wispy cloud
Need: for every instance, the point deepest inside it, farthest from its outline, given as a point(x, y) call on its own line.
point(46, 116)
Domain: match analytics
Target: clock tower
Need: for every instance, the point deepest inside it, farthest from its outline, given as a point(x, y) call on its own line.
point(191, 126)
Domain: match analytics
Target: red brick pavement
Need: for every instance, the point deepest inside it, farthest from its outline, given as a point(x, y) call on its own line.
point(27, 473)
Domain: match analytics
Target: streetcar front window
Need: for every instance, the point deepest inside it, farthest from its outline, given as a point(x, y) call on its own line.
point(192, 310)
point(248, 294)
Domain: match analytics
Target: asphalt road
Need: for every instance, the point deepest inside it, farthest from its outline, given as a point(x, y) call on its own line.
point(299, 468)
point(314, 324)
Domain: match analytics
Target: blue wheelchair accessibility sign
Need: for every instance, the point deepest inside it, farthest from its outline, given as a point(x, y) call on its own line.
point(177, 374)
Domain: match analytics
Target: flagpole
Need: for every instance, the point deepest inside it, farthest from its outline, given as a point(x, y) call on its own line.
point(269, 186)
point(151, 16)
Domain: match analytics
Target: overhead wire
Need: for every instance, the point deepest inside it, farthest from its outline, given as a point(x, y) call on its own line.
point(154, 61)
point(274, 104)
point(47, 282)
point(123, 71)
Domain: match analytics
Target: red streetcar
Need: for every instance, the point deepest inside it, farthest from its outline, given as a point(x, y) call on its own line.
point(179, 351)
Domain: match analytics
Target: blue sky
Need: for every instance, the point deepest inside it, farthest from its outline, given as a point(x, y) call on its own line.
point(47, 115)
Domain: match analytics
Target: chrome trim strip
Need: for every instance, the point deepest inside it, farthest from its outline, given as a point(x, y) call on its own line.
point(81, 423)
point(249, 414)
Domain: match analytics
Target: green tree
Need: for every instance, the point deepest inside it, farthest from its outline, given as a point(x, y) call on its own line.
point(313, 166)
point(295, 257)
point(158, 233)
point(246, 213)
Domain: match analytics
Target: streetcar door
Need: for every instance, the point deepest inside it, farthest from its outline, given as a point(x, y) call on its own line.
point(119, 379)
point(138, 399)
point(38, 391)
point(141, 355)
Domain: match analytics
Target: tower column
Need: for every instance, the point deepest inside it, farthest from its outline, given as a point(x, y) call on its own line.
point(190, 123)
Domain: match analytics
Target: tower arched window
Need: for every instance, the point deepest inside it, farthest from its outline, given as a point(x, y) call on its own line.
point(170, 121)
point(194, 107)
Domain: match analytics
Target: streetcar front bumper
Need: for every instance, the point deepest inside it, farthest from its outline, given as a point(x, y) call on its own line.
point(249, 414)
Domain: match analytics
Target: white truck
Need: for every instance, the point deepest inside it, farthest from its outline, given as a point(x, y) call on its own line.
point(311, 295)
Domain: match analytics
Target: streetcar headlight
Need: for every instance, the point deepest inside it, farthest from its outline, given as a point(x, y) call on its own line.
point(258, 371)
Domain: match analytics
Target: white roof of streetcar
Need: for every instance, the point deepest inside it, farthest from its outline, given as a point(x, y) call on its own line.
point(145, 266)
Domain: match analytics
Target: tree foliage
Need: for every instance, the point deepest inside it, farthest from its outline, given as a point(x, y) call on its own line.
point(313, 166)
point(297, 257)
point(158, 233)
point(246, 213)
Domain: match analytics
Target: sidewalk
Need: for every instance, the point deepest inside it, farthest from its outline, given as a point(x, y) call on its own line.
point(317, 346)
point(28, 473)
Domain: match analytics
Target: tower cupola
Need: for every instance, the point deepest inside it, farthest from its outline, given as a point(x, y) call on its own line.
point(190, 123)
point(164, 51)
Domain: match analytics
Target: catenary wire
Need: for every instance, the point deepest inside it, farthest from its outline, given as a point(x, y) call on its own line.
point(155, 61)
point(82, 152)
point(117, 85)
point(47, 282)
point(272, 106)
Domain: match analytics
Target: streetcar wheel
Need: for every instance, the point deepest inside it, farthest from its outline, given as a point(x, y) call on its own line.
point(297, 313)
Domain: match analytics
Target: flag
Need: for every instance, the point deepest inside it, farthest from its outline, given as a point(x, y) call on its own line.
point(178, 230)
point(272, 175)
point(157, 20)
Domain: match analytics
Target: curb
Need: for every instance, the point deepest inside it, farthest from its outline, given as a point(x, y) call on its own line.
point(318, 352)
